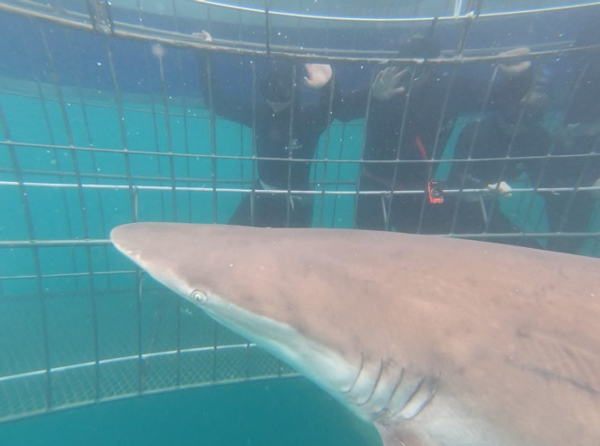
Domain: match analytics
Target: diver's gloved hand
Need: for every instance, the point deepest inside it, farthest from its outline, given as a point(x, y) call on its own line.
point(204, 35)
point(319, 75)
point(515, 68)
point(596, 193)
point(502, 189)
point(387, 83)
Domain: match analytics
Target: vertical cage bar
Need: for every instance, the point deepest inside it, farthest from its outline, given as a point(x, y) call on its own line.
point(123, 130)
point(215, 350)
point(139, 329)
point(157, 49)
point(290, 149)
point(213, 135)
point(83, 209)
point(469, 19)
point(326, 148)
point(133, 201)
point(299, 22)
point(169, 138)
point(388, 205)
point(185, 116)
point(100, 16)
point(254, 150)
point(178, 311)
point(240, 125)
point(99, 196)
point(267, 29)
point(363, 148)
point(49, 127)
point(41, 295)
point(457, 7)
point(189, 200)
point(157, 147)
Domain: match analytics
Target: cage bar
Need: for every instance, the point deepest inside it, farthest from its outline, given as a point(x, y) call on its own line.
point(74, 262)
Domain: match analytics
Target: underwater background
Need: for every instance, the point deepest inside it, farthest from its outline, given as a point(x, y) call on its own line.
point(98, 131)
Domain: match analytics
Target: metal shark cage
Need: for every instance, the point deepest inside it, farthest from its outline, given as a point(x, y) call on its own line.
point(100, 125)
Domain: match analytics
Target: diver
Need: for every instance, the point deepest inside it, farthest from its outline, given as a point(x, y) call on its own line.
point(400, 132)
point(498, 149)
point(578, 141)
point(408, 126)
point(288, 118)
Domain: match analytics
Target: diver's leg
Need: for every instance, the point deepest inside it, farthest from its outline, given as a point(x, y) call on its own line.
point(252, 214)
point(370, 212)
point(501, 224)
point(370, 209)
point(406, 213)
point(301, 214)
point(241, 215)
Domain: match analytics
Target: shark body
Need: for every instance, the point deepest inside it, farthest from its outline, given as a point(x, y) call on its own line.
point(438, 342)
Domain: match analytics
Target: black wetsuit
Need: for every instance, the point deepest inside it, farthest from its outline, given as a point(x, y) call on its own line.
point(571, 211)
point(273, 140)
point(287, 134)
point(409, 131)
point(492, 137)
point(410, 140)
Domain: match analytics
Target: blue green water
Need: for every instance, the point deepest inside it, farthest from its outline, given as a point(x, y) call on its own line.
point(288, 413)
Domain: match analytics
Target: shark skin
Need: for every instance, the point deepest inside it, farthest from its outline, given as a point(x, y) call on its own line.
point(437, 341)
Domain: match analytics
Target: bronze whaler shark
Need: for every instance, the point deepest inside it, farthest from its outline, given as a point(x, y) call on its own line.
point(436, 341)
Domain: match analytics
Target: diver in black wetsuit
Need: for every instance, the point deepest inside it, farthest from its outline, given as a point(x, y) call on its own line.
point(505, 135)
point(571, 211)
point(287, 128)
point(401, 128)
point(288, 120)
point(408, 125)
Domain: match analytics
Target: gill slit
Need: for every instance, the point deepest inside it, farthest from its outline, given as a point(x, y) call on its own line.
point(376, 383)
point(412, 395)
point(362, 363)
point(422, 404)
point(384, 409)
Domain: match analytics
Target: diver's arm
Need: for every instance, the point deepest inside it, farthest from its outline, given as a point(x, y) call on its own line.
point(388, 85)
point(471, 94)
point(318, 75)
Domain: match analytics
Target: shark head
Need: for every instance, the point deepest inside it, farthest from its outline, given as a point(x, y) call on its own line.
point(243, 282)
point(436, 341)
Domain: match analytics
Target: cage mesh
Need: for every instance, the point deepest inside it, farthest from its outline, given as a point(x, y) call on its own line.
point(83, 150)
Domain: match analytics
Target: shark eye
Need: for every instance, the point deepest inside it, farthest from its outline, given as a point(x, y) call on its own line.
point(199, 297)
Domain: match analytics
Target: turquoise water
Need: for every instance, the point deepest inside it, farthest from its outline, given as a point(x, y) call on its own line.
point(287, 413)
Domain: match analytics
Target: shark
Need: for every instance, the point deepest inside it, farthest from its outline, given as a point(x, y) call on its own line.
point(436, 341)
